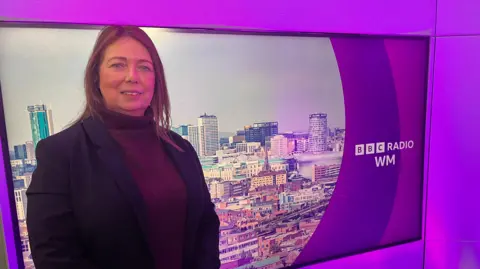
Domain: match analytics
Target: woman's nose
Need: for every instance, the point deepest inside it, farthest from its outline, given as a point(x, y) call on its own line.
point(132, 75)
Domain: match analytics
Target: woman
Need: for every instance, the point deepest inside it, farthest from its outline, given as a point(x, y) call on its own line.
point(117, 189)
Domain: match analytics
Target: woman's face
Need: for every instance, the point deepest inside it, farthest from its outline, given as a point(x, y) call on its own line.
point(127, 77)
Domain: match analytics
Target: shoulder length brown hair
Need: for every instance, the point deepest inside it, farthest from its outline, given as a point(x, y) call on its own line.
point(160, 103)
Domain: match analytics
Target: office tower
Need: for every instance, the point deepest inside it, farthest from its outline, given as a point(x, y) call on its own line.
point(208, 134)
point(224, 141)
point(181, 130)
point(261, 132)
point(21, 203)
point(30, 150)
point(50, 121)
point(240, 132)
point(279, 145)
point(20, 152)
point(236, 139)
point(39, 122)
point(249, 147)
point(317, 133)
point(241, 147)
point(193, 138)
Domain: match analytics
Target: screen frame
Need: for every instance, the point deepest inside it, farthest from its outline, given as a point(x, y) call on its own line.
point(251, 32)
point(11, 193)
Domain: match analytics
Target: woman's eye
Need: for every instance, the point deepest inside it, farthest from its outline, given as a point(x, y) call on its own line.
point(145, 68)
point(117, 65)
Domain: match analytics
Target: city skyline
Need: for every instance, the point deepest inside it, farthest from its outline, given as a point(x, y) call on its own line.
point(233, 133)
point(296, 77)
point(272, 187)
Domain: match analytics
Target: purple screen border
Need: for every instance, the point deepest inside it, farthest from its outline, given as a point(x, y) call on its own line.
point(360, 63)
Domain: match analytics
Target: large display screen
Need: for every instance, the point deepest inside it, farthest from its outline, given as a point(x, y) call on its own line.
point(312, 146)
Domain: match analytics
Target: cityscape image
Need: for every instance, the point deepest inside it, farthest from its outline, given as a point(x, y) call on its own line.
point(265, 115)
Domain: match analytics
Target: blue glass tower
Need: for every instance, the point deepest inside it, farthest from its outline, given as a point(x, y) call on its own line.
point(39, 123)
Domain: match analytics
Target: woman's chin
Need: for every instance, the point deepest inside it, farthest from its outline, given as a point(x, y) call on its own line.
point(134, 110)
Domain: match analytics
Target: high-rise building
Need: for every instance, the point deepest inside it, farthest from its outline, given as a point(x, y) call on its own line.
point(291, 141)
point(279, 145)
point(50, 121)
point(260, 132)
point(241, 132)
point(317, 133)
point(236, 139)
point(181, 130)
point(208, 134)
point(241, 147)
point(39, 122)
point(224, 141)
point(339, 132)
point(249, 147)
point(301, 142)
point(21, 203)
point(30, 150)
point(20, 152)
point(193, 138)
point(26, 179)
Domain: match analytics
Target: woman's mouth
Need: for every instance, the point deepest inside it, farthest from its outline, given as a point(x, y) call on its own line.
point(131, 93)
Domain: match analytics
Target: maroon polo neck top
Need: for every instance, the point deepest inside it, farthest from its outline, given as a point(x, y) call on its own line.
point(159, 182)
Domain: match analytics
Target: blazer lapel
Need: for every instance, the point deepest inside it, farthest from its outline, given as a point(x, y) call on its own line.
point(111, 155)
point(186, 166)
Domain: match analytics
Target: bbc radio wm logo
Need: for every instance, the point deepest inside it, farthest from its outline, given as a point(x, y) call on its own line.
point(381, 151)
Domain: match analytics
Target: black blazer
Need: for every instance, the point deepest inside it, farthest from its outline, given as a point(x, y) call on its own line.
point(85, 211)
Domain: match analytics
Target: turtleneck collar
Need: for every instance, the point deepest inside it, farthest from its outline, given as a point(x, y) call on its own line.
point(116, 120)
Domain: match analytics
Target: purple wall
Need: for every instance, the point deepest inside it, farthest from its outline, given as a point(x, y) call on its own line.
point(453, 205)
point(347, 16)
point(458, 17)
